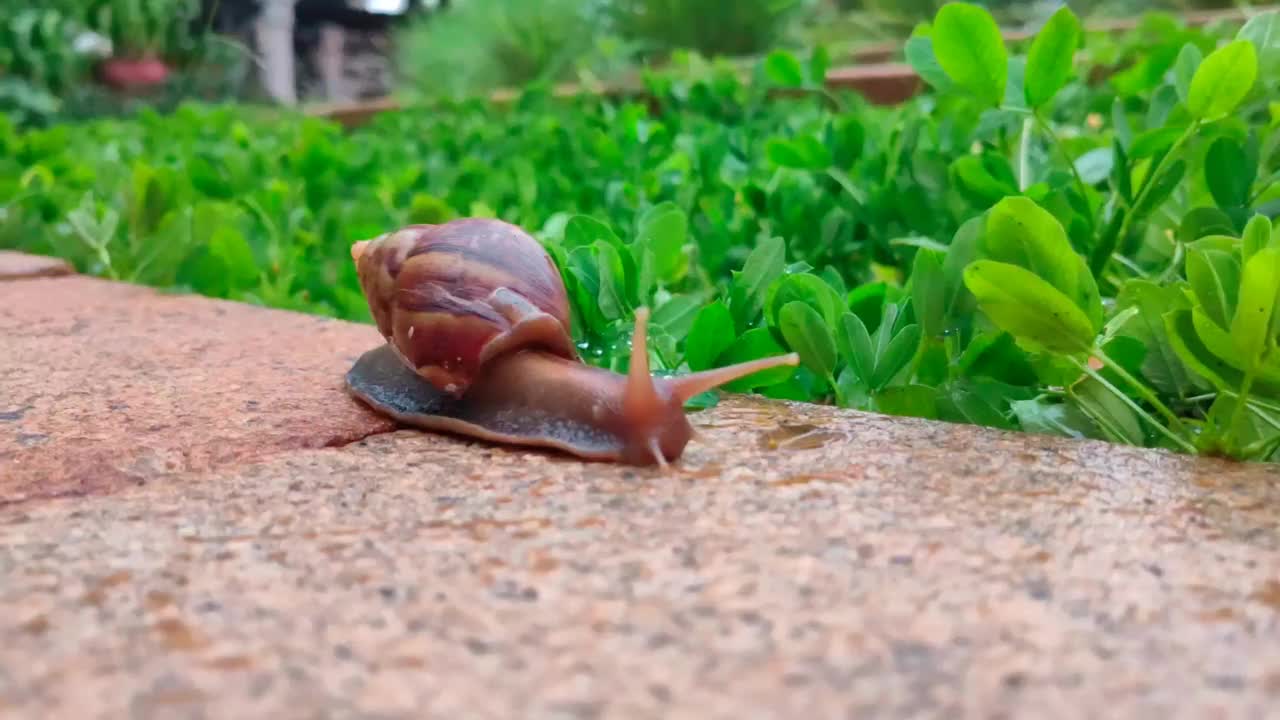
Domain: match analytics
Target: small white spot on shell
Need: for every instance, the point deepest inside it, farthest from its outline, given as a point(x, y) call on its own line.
point(411, 329)
point(451, 388)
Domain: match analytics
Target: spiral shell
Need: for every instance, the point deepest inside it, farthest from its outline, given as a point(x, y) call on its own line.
point(450, 297)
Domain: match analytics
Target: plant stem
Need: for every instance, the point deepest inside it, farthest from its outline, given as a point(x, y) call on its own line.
point(1256, 448)
point(1147, 184)
point(1242, 400)
point(1143, 391)
point(1024, 154)
point(1062, 150)
point(1084, 367)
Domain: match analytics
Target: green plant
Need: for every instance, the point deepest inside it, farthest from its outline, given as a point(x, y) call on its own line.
point(1032, 245)
point(141, 28)
point(708, 27)
point(483, 45)
point(38, 63)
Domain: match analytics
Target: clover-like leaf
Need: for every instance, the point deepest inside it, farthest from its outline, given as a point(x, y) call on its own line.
point(1036, 313)
point(808, 334)
point(1049, 60)
point(971, 51)
point(1223, 80)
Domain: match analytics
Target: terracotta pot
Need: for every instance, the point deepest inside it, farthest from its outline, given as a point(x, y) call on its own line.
point(128, 73)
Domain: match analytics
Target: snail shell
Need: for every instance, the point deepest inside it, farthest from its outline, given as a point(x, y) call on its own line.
point(448, 298)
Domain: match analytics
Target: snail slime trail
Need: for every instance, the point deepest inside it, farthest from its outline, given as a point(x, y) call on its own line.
point(478, 343)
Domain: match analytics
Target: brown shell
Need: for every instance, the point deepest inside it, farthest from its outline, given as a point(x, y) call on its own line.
point(450, 297)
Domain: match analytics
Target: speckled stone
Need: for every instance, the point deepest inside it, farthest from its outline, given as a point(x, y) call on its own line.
point(803, 562)
point(105, 385)
point(18, 266)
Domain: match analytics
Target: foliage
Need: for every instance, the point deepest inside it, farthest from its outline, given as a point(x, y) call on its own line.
point(38, 62)
point(139, 28)
point(708, 27)
point(483, 45)
point(48, 54)
point(1045, 241)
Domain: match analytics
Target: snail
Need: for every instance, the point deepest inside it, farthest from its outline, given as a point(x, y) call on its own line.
point(477, 327)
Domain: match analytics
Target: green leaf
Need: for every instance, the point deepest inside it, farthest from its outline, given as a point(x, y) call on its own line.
point(231, 246)
point(920, 55)
point(1161, 188)
point(964, 249)
point(895, 356)
point(971, 51)
point(613, 281)
point(980, 401)
point(1223, 80)
point(1049, 60)
point(996, 355)
point(809, 289)
point(1204, 221)
point(677, 315)
point(928, 292)
point(1228, 173)
point(1161, 366)
point(1180, 325)
point(855, 343)
point(711, 334)
point(1022, 233)
point(1218, 339)
point(1042, 416)
point(1263, 30)
point(1112, 415)
point(809, 335)
point(917, 401)
point(1036, 313)
point(819, 62)
point(664, 229)
point(585, 230)
point(1184, 69)
point(1255, 329)
point(1215, 279)
point(1151, 143)
point(1096, 165)
point(1257, 235)
point(804, 153)
point(752, 345)
point(974, 175)
point(783, 68)
point(762, 267)
point(225, 265)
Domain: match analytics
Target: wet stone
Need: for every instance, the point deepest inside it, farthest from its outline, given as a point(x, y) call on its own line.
point(104, 386)
point(20, 266)
point(197, 521)
point(900, 569)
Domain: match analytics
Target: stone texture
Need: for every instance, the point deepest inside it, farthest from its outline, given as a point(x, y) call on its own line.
point(802, 562)
point(18, 266)
point(103, 385)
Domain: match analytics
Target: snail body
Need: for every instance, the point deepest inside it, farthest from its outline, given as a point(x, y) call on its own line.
point(478, 343)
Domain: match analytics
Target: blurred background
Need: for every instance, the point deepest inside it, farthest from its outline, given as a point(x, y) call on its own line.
point(63, 60)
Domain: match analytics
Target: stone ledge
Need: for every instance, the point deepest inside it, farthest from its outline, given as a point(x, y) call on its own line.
point(20, 266)
point(803, 562)
point(104, 385)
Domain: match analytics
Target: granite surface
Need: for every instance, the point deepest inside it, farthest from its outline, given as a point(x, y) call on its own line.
point(802, 562)
point(18, 266)
point(104, 385)
point(197, 522)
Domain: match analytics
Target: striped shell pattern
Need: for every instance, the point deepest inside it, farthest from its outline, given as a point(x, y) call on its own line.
point(450, 297)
